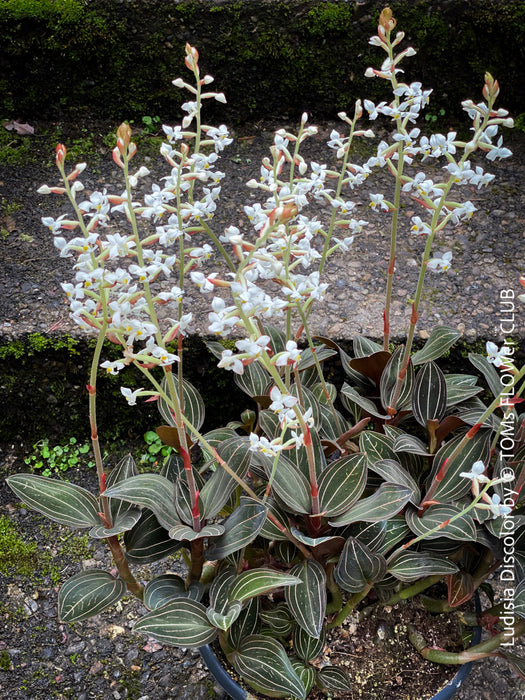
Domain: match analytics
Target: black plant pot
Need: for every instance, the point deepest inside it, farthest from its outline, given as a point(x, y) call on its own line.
point(235, 691)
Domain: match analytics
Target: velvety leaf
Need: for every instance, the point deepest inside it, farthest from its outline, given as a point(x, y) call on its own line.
point(182, 622)
point(440, 340)
point(368, 406)
point(333, 423)
point(517, 662)
point(224, 621)
point(166, 587)
point(488, 370)
point(60, 501)
point(363, 346)
point(370, 534)
point(305, 672)
point(149, 491)
point(411, 566)
point(279, 619)
point(255, 582)
point(357, 566)
point(357, 378)
point(334, 679)
point(456, 393)
point(386, 502)
point(453, 486)
point(313, 542)
point(307, 360)
point(305, 646)
point(254, 381)
point(216, 491)
point(391, 471)
point(193, 405)
point(376, 446)
point(389, 380)
point(220, 589)
point(396, 531)
point(289, 483)
point(410, 444)
point(125, 520)
point(148, 541)
point(246, 624)
point(270, 531)
point(342, 483)
point(185, 532)
point(264, 665)
point(183, 499)
point(429, 398)
point(307, 600)
point(460, 588)
point(240, 528)
point(88, 593)
point(462, 529)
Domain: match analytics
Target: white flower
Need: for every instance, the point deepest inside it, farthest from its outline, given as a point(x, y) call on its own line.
point(441, 264)
point(497, 357)
point(262, 444)
point(496, 507)
point(291, 356)
point(131, 396)
point(476, 473)
point(231, 361)
point(283, 404)
point(113, 367)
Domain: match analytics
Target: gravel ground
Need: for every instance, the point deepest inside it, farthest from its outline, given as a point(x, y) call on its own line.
point(99, 659)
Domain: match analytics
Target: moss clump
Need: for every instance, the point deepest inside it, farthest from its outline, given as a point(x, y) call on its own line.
point(16, 555)
point(5, 661)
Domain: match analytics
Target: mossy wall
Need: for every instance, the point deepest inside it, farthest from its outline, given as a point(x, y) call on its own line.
point(103, 58)
point(43, 385)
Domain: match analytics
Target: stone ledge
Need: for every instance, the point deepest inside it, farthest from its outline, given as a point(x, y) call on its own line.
point(73, 58)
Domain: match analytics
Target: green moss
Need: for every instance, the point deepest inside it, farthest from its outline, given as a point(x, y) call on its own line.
point(5, 660)
point(16, 555)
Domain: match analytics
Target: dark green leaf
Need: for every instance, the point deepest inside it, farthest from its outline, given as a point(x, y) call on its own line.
point(225, 621)
point(255, 582)
point(369, 406)
point(182, 622)
point(453, 486)
point(411, 566)
point(289, 483)
point(246, 624)
point(60, 501)
point(440, 340)
point(305, 646)
point(391, 471)
point(376, 446)
point(489, 372)
point(263, 663)
point(462, 529)
point(357, 566)
point(341, 484)
point(240, 528)
point(334, 679)
point(148, 541)
point(88, 593)
point(216, 491)
point(389, 379)
point(149, 491)
point(125, 520)
point(307, 600)
point(193, 405)
point(166, 587)
point(363, 346)
point(386, 502)
point(185, 532)
point(279, 619)
point(429, 398)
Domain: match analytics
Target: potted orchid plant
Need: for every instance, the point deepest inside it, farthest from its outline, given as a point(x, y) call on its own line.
point(322, 501)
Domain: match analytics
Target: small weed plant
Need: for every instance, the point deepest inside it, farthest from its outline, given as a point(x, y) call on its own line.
point(51, 459)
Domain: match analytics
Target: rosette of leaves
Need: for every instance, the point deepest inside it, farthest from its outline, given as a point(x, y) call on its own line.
point(384, 478)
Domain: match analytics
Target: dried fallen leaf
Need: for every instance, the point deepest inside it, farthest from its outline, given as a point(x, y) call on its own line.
point(22, 129)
